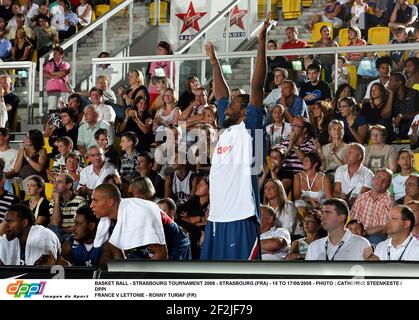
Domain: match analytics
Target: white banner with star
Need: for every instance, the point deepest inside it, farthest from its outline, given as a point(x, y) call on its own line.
point(188, 17)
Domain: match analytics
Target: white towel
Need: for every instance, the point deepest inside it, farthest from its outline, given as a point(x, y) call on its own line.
point(40, 241)
point(138, 224)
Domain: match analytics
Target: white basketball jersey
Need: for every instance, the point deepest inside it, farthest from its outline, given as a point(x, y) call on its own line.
point(182, 188)
point(231, 193)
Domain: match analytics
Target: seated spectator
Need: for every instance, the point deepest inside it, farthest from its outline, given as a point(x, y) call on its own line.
point(139, 121)
point(115, 179)
point(412, 71)
point(294, 104)
point(333, 12)
point(187, 96)
point(168, 206)
point(103, 83)
point(286, 212)
point(68, 129)
point(192, 215)
point(358, 8)
point(342, 76)
point(311, 187)
point(372, 207)
point(6, 10)
point(378, 154)
point(169, 113)
point(7, 153)
point(278, 130)
point(383, 65)
point(35, 189)
point(161, 84)
point(340, 244)
point(298, 144)
point(93, 175)
point(22, 48)
point(315, 89)
point(279, 75)
point(84, 14)
point(63, 206)
point(313, 231)
point(145, 162)
point(102, 141)
point(136, 89)
point(403, 15)
point(87, 130)
point(46, 35)
point(129, 159)
point(322, 115)
point(327, 60)
point(343, 91)
point(405, 163)
point(379, 14)
point(10, 99)
point(73, 167)
point(355, 125)
point(6, 198)
point(275, 242)
point(272, 167)
point(5, 46)
point(65, 147)
point(305, 61)
point(334, 153)
point(104, 69)
point(356, 227)
point(106, 112)
point(414, 205)
point(412, 188)
point(148, 240)
point(65, 22)
point(353, 178)
point(399, 56)
point(377, 110)
point(30, 9)
point(24, 242)
point(20, 23)
point(413, 132)
point(405, 103)
point(273, 63)
point(79, 249)
point(293, 42)
point(401, 245)
point(32, 158)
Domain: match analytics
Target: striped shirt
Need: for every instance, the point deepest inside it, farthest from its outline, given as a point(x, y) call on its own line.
point(6, 200)
point(128, 164)
point(292, 163)
point(68, 210)
point(372, 212)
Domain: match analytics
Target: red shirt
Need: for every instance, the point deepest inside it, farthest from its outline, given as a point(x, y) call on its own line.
point(298, 44)
point(356, 56)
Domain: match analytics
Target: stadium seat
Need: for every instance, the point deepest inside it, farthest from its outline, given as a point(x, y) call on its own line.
point(163, 12)
point(343, 37)
point(417, 161)
point(48, 190)
point(291, 9)
point(114, 3)
point(379, 35)
point(353, 76)
point(315, 33)
point(307, 3)
point(102, 9)
point(47, 146)
point(93, 16)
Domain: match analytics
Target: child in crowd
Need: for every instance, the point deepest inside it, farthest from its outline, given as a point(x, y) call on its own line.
point(128, 143)
point(343, 73)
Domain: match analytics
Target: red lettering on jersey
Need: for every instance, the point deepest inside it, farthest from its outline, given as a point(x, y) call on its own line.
point(225, 149)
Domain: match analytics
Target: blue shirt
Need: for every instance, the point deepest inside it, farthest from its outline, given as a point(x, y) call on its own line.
point(81, 257)
point(5, 48)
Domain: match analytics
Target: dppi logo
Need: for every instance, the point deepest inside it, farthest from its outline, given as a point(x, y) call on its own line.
point(27, 290)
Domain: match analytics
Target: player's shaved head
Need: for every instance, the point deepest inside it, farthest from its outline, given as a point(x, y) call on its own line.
point(110, 191)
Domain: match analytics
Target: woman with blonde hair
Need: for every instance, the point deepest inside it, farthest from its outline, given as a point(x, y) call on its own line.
point(169, 113)
point(335, 151)
point(286, 212)
point(161, 85)
point(137, 88)
point(142, 187)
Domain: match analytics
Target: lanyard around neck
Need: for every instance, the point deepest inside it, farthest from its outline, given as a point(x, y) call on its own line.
point(326, 246)
point(401, 256)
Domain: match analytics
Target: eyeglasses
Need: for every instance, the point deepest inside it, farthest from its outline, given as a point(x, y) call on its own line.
point(392, 219)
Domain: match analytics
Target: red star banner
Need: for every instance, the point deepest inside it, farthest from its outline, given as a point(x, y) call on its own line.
point(190, 18)
point(236, 17)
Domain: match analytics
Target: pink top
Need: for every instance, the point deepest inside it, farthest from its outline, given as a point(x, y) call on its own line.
point(56, 84)
point(356, 56)
point(165, 65)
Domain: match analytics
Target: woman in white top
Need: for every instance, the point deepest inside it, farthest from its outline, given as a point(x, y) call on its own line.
point(29, 9)
point(311, 187)
point(286, 212)
point(313, 230)
point(278, 130)
point(379, 154)
point(334, 152)
point(405, 162)
point(169, 113)
point(84, 13)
